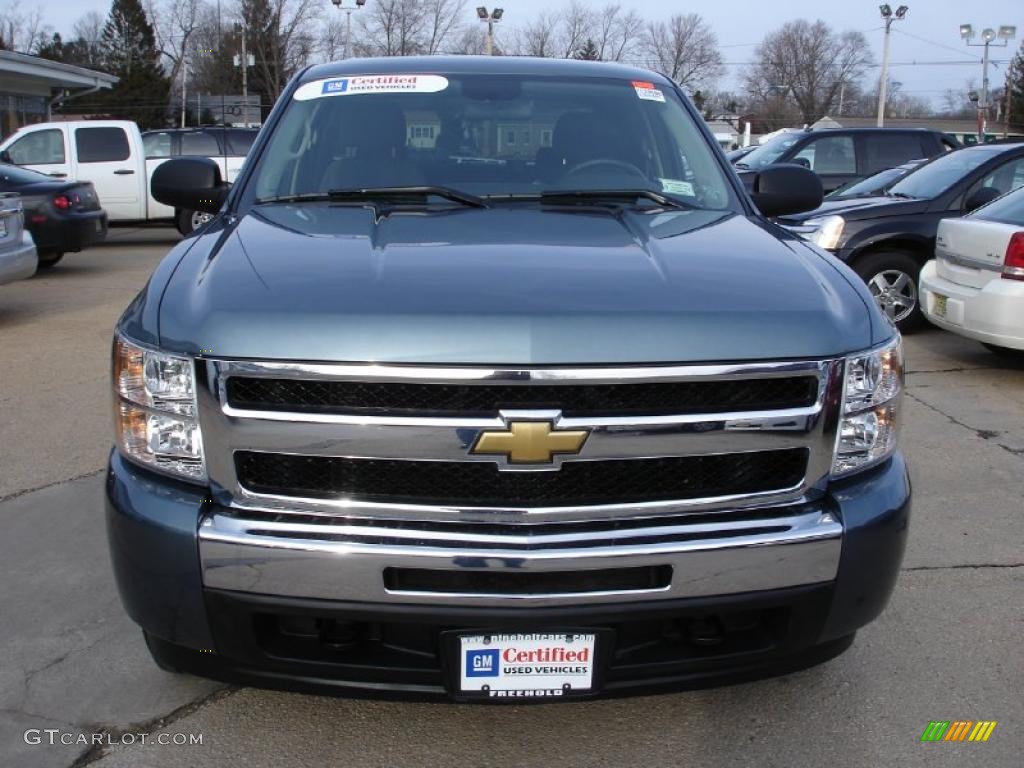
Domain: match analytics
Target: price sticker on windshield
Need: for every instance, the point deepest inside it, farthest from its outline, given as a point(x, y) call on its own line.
point(647, 91)
point(362, 84)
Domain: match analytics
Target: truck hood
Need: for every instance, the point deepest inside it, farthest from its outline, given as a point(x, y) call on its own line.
point(508, 285)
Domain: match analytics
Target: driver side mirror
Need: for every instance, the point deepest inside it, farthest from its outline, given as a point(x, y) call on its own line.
point(783, 189)
point(979, 197)
point(192, 183)
point(5, 157)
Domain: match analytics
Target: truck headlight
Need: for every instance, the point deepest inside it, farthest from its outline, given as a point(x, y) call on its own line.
point(872, 393)
point(155, 418)
point(825, 232)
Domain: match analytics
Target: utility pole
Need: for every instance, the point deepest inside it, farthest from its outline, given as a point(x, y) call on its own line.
point(1006, 33)
point(883, 81)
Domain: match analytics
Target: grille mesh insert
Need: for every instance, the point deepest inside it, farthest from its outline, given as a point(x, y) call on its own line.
point(650, 399)
point(482, 484)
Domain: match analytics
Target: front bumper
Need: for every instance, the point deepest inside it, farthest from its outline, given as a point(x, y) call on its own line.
point(993, 314)
point(19, 262)
point(198, 581)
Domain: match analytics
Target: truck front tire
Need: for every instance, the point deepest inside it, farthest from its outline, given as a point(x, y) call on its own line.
point(189, 221)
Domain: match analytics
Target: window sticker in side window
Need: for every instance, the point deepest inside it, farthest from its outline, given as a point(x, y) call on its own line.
point(351, 86)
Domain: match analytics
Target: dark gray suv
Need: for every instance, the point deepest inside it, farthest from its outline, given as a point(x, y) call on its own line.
point(842, 155)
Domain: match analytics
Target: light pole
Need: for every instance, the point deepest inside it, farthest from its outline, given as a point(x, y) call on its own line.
point(348, 21)
point(883, 82)
point(1006, 33)
point(490, 19)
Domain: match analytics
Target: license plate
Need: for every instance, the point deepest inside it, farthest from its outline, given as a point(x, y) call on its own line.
point(526, 665)
point(939, 307)
point(3, 226)
point(99, 225)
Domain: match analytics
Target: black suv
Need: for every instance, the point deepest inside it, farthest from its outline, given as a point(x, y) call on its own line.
point(889, 237)
point(227, 146)
point(842, 155)
point(203, 142)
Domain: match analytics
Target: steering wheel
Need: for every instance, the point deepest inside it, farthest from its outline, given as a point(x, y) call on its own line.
point(607, 161)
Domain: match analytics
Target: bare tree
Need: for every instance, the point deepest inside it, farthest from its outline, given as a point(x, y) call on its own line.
point(23, 32)
point(685, 48)
point(279, 36)
point(470, 39)
point(443, 21)
point(538, 37)
point(174, 25)
point(393, 27)
point(576, 23)
point(617, 33)
point(87, 32)
point(809, 61)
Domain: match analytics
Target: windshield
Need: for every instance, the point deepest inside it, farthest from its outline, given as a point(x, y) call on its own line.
point(869, 186)
point(768, 153)
point(489, 136)
point(1008, 209)
point(934, 178)
point(12, 174)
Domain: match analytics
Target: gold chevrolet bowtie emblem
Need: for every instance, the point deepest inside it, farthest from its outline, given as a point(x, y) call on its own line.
point(530, 442)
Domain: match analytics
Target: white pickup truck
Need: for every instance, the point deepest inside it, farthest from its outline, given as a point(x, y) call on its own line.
point(119, 160)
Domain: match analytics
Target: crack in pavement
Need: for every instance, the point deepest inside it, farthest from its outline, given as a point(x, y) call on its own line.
point(16, 494)
point(962, 566)
point(148, 727)
point(984, 434)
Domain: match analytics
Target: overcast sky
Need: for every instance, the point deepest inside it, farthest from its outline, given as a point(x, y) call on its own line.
point(740, 24)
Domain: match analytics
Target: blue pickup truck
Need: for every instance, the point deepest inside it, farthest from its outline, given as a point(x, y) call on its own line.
point(488, 379)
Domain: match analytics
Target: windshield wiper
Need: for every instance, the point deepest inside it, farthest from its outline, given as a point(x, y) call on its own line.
point(598, 196)
point(901, 195)
point(742, 165)
point(383, 194)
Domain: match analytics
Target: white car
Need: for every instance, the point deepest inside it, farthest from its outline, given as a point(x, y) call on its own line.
point(18, 258)
point(975, 284)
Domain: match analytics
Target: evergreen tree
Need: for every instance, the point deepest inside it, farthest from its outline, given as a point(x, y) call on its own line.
point(588, 51)
point(129, 52)
point(1015, 80)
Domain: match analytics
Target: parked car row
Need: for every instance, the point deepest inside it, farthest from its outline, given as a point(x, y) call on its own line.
point(887, 238)
point(119, 161)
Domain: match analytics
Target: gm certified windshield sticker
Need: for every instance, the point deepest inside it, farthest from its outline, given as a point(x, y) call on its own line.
point(647, 91)
point(348, 86)
point(676, 187)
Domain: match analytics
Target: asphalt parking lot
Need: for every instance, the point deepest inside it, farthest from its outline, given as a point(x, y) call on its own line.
point(947, 648)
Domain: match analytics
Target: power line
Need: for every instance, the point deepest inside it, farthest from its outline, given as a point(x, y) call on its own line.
point(936, 44)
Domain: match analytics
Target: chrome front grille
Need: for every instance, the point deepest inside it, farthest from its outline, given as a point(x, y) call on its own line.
point(391, 443)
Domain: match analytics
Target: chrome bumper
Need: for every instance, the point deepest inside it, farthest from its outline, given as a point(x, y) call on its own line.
point(346, 562)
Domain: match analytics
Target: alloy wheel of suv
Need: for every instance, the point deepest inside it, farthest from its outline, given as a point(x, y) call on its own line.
point(891, 277)
point(895, 293)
